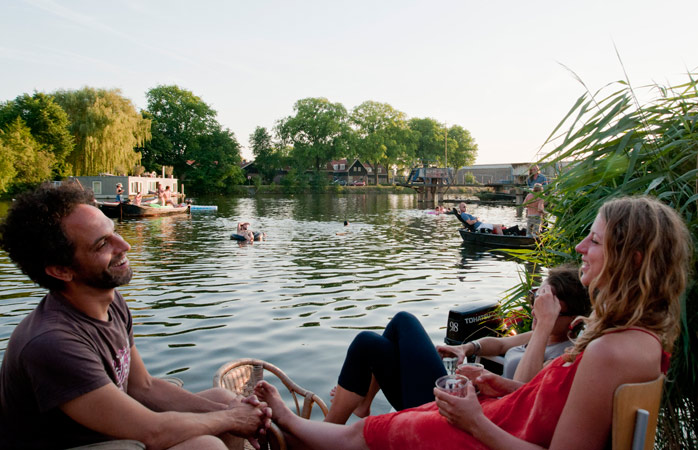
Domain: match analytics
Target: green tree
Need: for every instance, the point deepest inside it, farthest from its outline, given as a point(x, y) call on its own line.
point(266, 157)
point(319, 132)
point(616, 147)
point(106, 128)
point(430, 137)
point(462, 148)
point(32, 164)
point(216, 168)
point(48, 124)
point(7, 167)
point(382, 135)
point(180, 118)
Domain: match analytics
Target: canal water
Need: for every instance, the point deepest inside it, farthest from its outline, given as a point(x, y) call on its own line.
point(200, 299)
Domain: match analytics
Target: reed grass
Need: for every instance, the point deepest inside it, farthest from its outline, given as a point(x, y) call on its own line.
point(617, 145)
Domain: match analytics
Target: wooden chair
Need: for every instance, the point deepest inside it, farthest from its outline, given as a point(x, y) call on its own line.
point(635, 411)
point(241, 375)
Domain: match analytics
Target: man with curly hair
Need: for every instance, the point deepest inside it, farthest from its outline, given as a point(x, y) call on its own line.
point(71, 374)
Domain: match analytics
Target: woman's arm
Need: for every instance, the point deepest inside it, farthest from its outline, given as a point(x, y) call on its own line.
point(489, 346)
point(546, 310)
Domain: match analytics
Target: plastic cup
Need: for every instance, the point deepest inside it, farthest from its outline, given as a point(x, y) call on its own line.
point(471, 369)
point(453, 384)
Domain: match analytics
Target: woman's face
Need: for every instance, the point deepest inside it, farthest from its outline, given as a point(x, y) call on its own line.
point(591, 249)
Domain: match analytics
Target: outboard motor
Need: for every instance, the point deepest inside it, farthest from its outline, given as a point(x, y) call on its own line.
point(471, 321)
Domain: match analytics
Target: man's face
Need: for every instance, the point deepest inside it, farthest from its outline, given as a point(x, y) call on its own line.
point(461, 207)
point(100, 254)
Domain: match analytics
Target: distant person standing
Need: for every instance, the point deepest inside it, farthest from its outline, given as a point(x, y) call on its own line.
point(535, 209)
point(160, 192)
point(119, 192)
point(167, 197)
point(534, 176)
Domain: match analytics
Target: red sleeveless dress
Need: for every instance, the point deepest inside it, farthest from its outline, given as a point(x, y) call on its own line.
point(530, 413)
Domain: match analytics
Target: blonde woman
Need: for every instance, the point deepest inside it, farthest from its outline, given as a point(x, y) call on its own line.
point(635, 263)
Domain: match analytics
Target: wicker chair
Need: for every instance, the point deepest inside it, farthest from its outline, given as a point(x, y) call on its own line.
point(241, 375)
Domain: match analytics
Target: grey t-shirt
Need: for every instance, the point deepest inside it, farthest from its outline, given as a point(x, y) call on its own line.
point(513, 356)
point(55, 355)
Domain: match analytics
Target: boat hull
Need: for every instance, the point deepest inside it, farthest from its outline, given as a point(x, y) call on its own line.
point(120, 210)
point(496, 240)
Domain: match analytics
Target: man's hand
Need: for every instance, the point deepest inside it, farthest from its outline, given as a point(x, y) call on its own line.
point(250, 417)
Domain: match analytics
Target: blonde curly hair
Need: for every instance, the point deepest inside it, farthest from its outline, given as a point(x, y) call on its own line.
point(647, 249)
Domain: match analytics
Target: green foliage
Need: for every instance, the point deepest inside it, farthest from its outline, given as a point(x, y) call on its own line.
point(180, 118)
point(319, 132)
point(430, 140)
point(187, 136)
point(267, 158)
point(619, 147)
point(48, 124)
point(32, 164)
point(294, 182)
point(382, 135)
point(462, 148)
point(7, 168)
point(106, 128)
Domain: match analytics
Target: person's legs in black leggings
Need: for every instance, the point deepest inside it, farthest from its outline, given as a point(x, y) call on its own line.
point(403, 360)
point(419, 362)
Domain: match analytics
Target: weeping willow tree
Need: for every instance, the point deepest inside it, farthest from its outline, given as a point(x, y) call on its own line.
point(612, 145)
point(106, 128)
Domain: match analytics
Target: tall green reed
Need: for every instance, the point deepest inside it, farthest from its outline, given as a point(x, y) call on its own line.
point(611, 145)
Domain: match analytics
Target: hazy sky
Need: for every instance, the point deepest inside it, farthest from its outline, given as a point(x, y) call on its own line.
point(493, 67)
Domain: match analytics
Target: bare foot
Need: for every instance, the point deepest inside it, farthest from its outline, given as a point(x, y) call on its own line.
point(362, 410)
point(279, 411)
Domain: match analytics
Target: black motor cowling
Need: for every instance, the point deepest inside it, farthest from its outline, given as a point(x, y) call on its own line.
point(471, 321)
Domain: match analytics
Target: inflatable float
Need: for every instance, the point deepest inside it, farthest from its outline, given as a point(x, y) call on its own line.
point(258, 235)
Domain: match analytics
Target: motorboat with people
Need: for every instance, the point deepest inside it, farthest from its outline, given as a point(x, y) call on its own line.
point(120, 210)
point(513, 237)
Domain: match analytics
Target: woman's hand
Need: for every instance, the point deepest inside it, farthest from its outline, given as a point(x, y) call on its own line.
point(547, 307)
point(461, 412)
point(452, 350)
point(492, 385)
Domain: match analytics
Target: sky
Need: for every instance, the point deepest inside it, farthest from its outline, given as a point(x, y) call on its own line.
point(507, 71)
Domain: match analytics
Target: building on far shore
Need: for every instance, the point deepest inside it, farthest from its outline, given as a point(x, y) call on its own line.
point(514, 173)
point(104, 186)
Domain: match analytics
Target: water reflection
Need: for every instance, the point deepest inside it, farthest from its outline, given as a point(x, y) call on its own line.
point(199, 299)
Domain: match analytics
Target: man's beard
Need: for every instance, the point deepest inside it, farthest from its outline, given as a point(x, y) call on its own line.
point(107, 280)
point(104, 279)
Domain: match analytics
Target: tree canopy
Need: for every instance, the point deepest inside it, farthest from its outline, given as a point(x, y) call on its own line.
point(187, 136)
point(106, 128)
point(382, 135)
point(319, 131)
point(48, 124)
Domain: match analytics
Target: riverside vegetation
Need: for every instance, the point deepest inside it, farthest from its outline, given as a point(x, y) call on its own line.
point(620, 146)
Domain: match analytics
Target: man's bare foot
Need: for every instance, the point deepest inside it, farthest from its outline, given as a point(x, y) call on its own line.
point(279, 411)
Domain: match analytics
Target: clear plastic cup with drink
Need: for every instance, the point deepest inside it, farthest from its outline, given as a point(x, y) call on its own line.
point(471, 370)
point(453, 384)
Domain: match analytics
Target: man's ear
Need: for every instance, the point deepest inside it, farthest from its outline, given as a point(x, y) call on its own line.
point(63, 273)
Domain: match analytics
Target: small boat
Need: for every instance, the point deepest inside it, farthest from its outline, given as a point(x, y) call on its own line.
point(121, 210)
point(497, 240)
point(471, 236)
